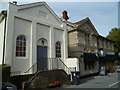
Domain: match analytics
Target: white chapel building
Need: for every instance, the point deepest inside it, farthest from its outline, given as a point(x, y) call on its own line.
point(32, 33)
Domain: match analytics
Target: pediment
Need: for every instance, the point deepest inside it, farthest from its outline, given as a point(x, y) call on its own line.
point(88, 27)
point(40, 11)
point(85, 27)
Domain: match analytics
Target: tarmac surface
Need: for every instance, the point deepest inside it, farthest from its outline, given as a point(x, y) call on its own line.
point(112, 80)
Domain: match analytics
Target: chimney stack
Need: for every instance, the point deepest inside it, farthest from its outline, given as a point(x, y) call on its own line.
point(64, 15)
point(14, 2)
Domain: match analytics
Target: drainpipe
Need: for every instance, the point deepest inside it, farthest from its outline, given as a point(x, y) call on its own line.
point(5, 16)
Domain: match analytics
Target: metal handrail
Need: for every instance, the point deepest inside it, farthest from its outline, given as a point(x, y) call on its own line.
point(65, 66)
point(52, 64)
point(30, 68)
point(64, 63)
point(57, 66)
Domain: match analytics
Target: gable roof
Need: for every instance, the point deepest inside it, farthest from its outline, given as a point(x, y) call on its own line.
point(30, 5)
point(71, 24)
point(81, 22)
point(102, 37)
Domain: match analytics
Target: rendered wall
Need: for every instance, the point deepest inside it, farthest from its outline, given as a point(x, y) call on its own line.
point(2, 25)
point(21, 27)
point(73, 63)
point(33, 23)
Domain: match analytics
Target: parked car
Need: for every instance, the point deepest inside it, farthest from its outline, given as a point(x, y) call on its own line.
point(117, 68)
point(8, 86)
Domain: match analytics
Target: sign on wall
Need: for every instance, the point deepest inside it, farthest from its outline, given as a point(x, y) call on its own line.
point(88, 49)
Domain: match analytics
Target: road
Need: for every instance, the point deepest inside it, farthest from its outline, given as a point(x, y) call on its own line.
point(110, 81)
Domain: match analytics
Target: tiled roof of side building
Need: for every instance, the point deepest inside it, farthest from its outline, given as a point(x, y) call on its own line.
point(105, 38)
point(81, 21)
point(71, 24)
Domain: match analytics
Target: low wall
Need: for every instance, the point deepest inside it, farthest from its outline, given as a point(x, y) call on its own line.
point(17, 80)
point(42, 79)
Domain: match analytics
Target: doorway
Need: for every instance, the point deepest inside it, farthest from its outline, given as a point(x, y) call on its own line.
point(42, 57)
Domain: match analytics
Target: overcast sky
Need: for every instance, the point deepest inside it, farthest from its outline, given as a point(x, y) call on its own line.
point(104, 15)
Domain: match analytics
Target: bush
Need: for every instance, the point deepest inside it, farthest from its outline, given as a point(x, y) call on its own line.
point(111, 69)
point(5, 72)
point(117, 62)
point(54, 84)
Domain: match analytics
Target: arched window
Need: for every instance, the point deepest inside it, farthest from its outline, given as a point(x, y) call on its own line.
point(21, 46)
point(58, 49)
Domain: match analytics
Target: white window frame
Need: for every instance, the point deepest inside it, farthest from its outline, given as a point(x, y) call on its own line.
point(20, 41)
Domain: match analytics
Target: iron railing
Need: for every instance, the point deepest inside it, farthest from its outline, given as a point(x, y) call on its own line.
point(48, 64)
point(43, 64)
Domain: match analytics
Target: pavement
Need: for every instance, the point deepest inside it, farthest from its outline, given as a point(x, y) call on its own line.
point(112, 80)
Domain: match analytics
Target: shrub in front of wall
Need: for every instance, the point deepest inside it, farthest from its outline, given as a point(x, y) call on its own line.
point(54, 84)
point(111, 69)
point(117, 62)
point(5, 69)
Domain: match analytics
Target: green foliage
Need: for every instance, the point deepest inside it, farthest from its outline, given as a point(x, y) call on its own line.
point(117, 62)
point(114, 35)
point(54, 84)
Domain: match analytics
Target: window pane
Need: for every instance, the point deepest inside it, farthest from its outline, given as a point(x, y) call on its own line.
point(20, 53)
point(21, 46)
point(17, 49)
point(24, 48)
point(17, 53)
point(24, 54)
point(20, 38)
point(24, 43)
point(20, 49)
point(24, 40)
point(58, 49)
point(20, 43)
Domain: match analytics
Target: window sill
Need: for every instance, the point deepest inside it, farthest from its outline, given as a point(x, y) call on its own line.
point(21, 57)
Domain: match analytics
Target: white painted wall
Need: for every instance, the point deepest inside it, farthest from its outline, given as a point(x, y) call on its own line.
point(21, 27)
point(2, 25)
point(58, 36)
point(43, 31)
point(9, 34)
point(72, 63)
point(27, 21)
point(39, 12)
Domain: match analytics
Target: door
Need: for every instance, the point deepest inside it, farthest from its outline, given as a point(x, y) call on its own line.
point(42, 58)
